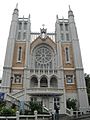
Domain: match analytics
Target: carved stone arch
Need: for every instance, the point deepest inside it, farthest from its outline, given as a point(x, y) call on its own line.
point(39, 41)
point(53, 76)
point(53, 81)
point(53, 49)
point(44, 81)
point(34, 81)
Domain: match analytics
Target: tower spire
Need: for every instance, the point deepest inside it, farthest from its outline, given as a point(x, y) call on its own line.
point(69, 8)
point(16, 10)
point(70, 12)
point(29, 16)
point(17, 6)
point(57, 17)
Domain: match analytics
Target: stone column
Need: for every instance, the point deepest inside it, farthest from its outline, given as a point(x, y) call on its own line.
point(48, 82)
point(17, 115)
point(39, 83)
point(62, 105)
point(35, 113)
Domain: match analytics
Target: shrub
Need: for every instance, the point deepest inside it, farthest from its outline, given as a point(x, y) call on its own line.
point(35, 106)
point(7, 111)
point(71, 103)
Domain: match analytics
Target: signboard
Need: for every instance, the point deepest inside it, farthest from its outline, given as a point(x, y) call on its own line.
point(2, 96)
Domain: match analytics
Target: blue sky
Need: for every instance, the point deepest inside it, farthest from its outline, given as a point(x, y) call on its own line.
point(44, 12)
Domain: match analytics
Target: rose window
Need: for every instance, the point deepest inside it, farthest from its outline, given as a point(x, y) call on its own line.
point(43, 55)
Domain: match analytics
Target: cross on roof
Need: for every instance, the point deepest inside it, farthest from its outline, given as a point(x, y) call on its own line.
point(43, 25)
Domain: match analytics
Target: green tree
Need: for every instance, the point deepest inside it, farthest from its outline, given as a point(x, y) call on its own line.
point(2, 104)
point(71, 103)
point(87, 79)
point(35, 106)
point(7, 111)
point(4, 110)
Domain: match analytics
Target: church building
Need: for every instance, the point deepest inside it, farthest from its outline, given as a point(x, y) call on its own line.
point(44, 67)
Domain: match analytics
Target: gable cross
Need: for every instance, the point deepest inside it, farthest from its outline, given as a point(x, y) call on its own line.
point(43, 25)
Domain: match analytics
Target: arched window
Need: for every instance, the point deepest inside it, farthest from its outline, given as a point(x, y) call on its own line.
point(20, 26)
point(25, 26)
point(43, 82)
point(34, 82)
point(53, 82)
point(67, 36)
point(62, 36)
point(19, 54)
point(67, 55)
point(19, 35)
point(24, 35)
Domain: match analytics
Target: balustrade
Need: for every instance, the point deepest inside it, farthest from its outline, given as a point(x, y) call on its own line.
point(43, 71)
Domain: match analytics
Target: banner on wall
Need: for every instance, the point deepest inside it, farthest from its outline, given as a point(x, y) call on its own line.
point(2, 96)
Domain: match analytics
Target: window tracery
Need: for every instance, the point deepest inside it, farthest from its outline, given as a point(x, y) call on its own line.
point(43, 57)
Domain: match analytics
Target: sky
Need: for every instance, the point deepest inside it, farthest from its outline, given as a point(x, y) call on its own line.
point(44, 12)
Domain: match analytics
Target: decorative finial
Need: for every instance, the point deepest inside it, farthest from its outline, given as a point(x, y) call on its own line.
point(17, 6)
point(70, 12)
point(57, 16)
point(69, 8)
point(29, 16)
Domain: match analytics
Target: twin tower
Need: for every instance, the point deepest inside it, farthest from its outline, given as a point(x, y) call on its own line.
point(44, 67)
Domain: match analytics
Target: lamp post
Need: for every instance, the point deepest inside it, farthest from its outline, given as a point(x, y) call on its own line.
point(11, 79)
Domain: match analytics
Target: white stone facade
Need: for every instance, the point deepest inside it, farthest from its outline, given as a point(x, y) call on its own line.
point(44, 67)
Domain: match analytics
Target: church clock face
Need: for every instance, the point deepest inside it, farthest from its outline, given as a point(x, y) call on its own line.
point(43, 54)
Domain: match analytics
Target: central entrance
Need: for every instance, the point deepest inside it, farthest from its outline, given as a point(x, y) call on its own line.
point(49, 102)
point(45, 101)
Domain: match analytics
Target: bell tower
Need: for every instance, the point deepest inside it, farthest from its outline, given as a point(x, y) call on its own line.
point(81, 86)
point(9, 51)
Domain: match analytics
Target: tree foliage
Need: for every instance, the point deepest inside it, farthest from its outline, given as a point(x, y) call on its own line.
point(7, 111)
point(87, 79)
point(71, 103)
point(35, 106)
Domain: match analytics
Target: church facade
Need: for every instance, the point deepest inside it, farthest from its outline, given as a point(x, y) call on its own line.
point(44, 67)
